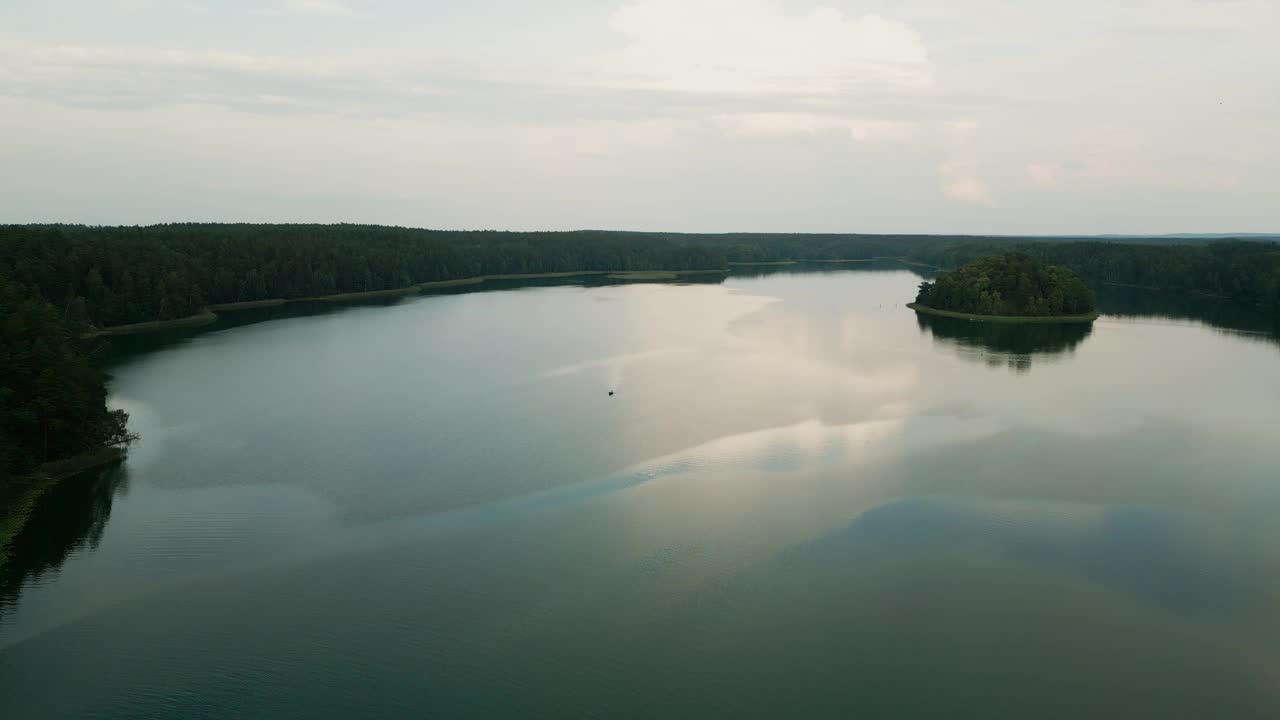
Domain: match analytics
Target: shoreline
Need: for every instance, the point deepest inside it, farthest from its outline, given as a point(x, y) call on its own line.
point(642, 275)
point(209, 314)
point(247, 305)
point(205, 317)
point(1008, 319)
point(917, 263)
point(801, 261)
point(23, 493)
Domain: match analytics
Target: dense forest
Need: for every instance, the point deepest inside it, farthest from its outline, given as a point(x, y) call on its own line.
point(1009, 284)
point(52, 400)
point(113, 276)
point(117, 275)
point(1244, 272)
point(105, 276)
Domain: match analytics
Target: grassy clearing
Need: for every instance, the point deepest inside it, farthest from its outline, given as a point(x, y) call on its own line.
point(913, 263)
point(859, 260)
point(660, 274)
point(248, 305)
point(19, 495)
point(643, 276)
point(369, 295)
point(451, 283)
point(1011, 319)
point(538, 276)
point(617, 274)
point(207, 317)
point(837, 261)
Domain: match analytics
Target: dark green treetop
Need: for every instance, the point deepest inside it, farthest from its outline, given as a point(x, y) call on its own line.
point(1009, 284)
point(52, 400)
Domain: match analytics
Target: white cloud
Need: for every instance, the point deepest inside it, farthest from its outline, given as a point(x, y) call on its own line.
point(138, 6)
point(961, 183)
point(1044, 174)
point(772, 124)
point(751, 46)
point(967, 189)
point(311, 7)
point(38, 62)
point(878, 131)
point(783, 124)
point(1133, 111)
point(1117, 171)
point(960, 129)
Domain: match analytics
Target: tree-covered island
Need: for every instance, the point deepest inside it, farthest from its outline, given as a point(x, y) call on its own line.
point(1009, 287)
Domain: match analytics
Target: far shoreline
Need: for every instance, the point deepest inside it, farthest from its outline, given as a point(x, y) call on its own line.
point(1008, 319)
point(209, 314)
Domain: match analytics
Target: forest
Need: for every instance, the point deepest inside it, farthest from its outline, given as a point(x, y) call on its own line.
point(1009, 284)
point(1246, 273)
point(104, 276)
point(118, 275)
point(52, 399)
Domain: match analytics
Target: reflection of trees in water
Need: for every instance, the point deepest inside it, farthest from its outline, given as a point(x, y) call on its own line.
point(121, 348)
point(827, 268)
point(1231, 318)
point(996, 344)
point(72, 515)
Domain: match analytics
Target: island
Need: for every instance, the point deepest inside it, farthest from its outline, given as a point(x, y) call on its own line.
point(1010, 287)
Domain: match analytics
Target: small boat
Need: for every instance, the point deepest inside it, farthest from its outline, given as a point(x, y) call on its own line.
point(610, 393)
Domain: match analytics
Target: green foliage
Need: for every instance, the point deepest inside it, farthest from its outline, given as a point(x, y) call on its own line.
point(1009, 284)
point(1244, 272)
point(105, 276)
point(121, 275)
point(52, 400)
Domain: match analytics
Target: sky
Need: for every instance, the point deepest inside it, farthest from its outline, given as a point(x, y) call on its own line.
point(877, 116)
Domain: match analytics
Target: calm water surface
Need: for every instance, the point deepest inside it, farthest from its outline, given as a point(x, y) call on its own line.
point(803, 501)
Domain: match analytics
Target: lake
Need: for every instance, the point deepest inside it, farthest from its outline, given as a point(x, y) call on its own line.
point(802, 501)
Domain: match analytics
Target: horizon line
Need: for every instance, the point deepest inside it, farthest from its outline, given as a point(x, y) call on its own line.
point(1177, 235)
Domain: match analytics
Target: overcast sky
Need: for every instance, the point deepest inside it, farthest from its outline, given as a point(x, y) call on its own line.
point(974, 116)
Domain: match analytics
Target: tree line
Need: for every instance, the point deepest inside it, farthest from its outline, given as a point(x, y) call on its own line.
point(52, 399)
point(119, 275)
point(106, 276)
point(1244, 272)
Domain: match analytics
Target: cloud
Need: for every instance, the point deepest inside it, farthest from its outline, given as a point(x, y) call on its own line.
point(139, 6)
point(328, 8)
point(754, 46)
point(1114, 171)
point(77, 58)
point(132, 77)
point(772, 124)
point(961, 183)
point(878, 131)
point(406, 84)
point(1044, 174)
point(960, 129)
point(783, 124)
